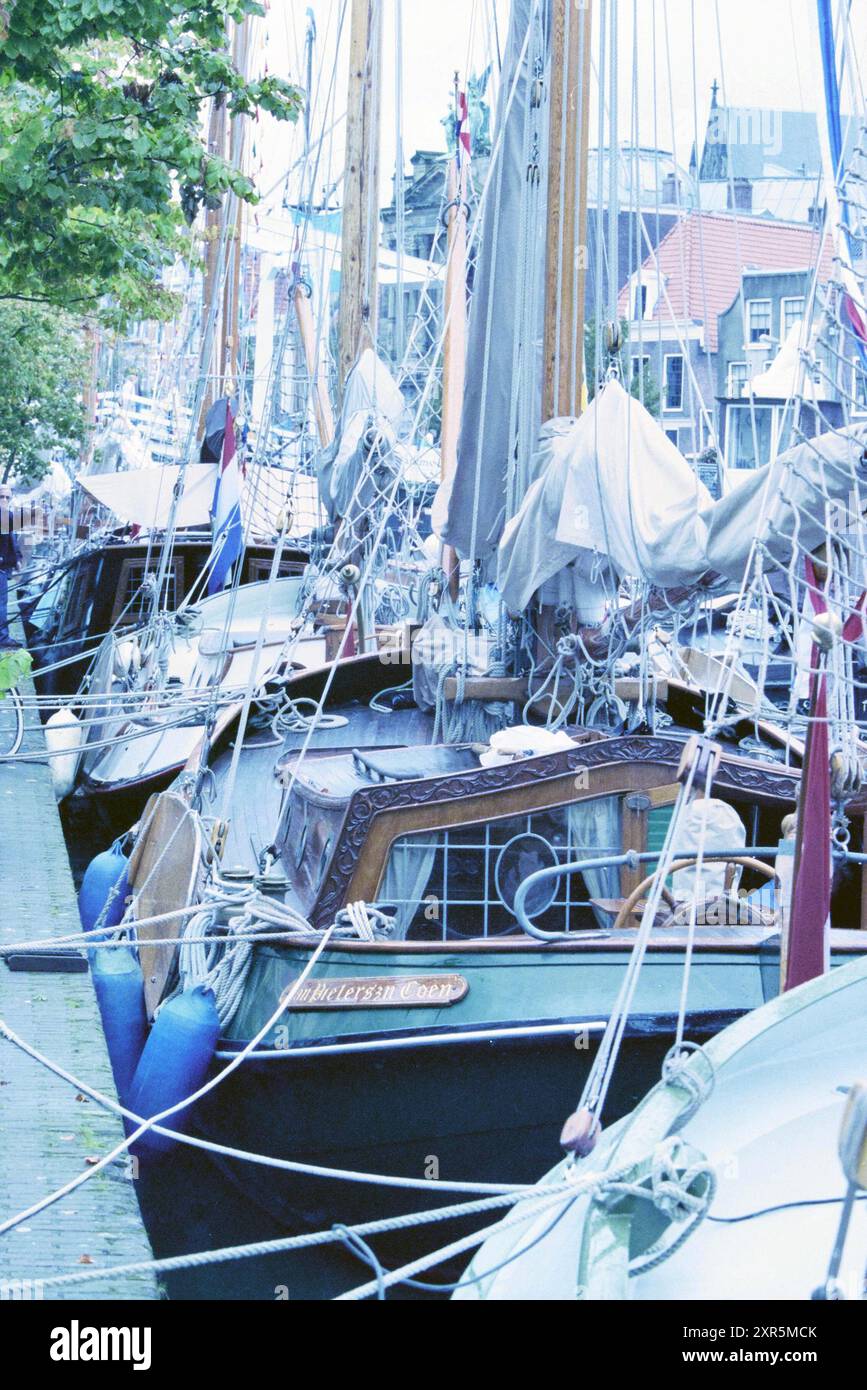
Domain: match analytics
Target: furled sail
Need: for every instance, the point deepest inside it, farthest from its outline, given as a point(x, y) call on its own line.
point(473, 501)
point(785, 498)
point(612, 497)
point(372, 409)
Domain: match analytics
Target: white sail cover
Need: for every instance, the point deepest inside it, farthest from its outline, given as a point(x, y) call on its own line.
point(786, 498)
point(612, 497)
point(373, 408)
point(143, 497)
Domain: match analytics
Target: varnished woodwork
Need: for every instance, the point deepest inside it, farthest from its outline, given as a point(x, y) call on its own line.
point(360, 215)
point(566, 251)
point(517, 689)
point(376, 815)
point(321, 400)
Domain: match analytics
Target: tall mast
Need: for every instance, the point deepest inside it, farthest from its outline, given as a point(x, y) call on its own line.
point(213, 237)
point(360, 231)
point(455, 337)
point(231, 322)
point(566, 249)
point(310, 346)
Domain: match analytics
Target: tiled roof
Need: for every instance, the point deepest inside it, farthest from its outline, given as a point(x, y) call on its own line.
point(704, 256)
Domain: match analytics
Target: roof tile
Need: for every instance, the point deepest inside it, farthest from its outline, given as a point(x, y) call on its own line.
point(704, 256)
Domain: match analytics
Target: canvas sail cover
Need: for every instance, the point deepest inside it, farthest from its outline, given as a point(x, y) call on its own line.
point(143, 497)
point(612, 496)
point(372, 409)
point(785, 498)
point(471, 504)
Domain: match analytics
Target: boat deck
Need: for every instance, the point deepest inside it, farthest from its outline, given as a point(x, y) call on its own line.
point(49, 1131)
point(257, 797)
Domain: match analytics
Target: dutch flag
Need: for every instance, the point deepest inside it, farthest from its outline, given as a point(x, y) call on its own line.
point(226, 511)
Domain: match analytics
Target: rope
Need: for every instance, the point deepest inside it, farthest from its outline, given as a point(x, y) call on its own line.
point(203, 1090)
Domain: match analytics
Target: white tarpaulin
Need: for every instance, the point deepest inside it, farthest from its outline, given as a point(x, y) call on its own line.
point(785, 498)
point(143, 497)
point(612, 497)
point(373, 407)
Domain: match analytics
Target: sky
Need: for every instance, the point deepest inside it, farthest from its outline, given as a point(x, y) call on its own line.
point(762, 52)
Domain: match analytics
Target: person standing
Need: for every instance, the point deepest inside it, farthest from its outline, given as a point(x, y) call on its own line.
point(10, 559)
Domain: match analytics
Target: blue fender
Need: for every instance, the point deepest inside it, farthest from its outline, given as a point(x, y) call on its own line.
point(174, 1063)
point(119, 986)
point(105, 872)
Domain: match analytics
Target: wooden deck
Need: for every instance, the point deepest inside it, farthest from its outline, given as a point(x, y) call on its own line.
point(49, 1132)
point(256, 802)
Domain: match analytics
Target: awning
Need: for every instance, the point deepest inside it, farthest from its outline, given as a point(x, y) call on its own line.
point(143, 497)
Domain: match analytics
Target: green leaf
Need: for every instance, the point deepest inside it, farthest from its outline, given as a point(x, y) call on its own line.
point(14, 667)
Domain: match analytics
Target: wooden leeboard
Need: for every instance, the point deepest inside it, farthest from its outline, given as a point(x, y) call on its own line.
point(710, 672)
point(164, 873)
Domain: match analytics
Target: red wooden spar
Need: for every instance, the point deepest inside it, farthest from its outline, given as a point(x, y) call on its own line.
point(811, 896)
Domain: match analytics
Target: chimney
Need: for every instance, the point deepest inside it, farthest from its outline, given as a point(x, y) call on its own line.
point(671, 188)
point(740, 195)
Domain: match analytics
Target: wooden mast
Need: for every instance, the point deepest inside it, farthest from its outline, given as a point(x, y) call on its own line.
point(566, 249)
point(455, 337)
point(213, 237)
point(319, 387)
point(231, 323)
point(360, 230)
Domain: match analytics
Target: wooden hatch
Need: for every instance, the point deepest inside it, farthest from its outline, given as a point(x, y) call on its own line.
point(164, 870)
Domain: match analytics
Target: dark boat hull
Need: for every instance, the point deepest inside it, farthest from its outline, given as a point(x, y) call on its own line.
point(487, 1111)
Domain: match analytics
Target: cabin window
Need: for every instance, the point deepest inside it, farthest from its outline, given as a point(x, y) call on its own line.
point(77, 609)
point(131, 601)
point(749, 435)
point(758, 319)
point(261, 569)
point(672, 381)
point(460, 883)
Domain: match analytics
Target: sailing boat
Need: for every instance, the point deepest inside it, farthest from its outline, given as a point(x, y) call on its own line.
point(166, 696)
point(736, 1186)
point(455, 997)
point(726, 1179)
point(485, 894)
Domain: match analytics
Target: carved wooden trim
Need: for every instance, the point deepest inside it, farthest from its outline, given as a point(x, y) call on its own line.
point(630, 763)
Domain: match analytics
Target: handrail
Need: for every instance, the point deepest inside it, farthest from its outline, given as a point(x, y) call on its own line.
point(630, 859)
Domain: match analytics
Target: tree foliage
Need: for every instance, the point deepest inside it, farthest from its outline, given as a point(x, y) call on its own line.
point(102, 105)
point(44, 366)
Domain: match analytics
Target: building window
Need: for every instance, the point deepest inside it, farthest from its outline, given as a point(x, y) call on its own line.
point(738, 376)
point(791, 310)
point(758, 319)
point(640, 303)
point(672, 381)
point(638, 369)
point(750, 432)
point(859, 390)
point(674, 436)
